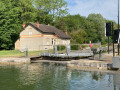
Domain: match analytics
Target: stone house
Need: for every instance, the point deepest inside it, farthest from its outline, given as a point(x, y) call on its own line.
point(40, 37)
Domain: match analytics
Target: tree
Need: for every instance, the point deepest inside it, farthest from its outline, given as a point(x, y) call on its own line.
point(79, 36)
point(72, 22)
point(9, 24)
point(25, 9)
point(50, 10)
point(99, 24)
point(93, 25)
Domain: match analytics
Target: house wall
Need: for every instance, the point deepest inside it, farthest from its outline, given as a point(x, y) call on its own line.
point(63, 41)
point(32, 39)
point(29, 30)
point(30, 43)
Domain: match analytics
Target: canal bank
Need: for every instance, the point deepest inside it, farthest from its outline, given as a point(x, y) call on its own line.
point(77, 64)
point(15, 60)
point(83, 63)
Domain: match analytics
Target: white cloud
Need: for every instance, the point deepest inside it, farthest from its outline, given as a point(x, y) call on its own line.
point(108, 8)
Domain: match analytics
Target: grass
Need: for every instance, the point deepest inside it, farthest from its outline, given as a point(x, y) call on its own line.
point(95, 46)
point(17, 53)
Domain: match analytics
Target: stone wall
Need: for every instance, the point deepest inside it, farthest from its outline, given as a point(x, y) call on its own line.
point(15, 60)
point(88, 65)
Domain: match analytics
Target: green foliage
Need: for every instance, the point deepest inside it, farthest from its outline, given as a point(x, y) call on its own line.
point(84, 29)
point(79, 36)
point(72, 23)
point(84, 46)
point(50, 10)
point(74, 47)
point(60, 47)
point(10, 24)
point(99, 24)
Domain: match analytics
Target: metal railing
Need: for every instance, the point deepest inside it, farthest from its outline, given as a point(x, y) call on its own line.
point(60, 49)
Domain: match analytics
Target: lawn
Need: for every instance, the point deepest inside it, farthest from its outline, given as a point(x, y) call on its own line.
point(17, 53)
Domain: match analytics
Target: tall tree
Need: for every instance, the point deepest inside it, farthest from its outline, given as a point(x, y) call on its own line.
point(93, 26)
point(9, 24)
point(79, 36)
point(50, 10)
point(25, 10)
point(99, 24)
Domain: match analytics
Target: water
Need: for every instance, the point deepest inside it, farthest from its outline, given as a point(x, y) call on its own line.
point(54, 77)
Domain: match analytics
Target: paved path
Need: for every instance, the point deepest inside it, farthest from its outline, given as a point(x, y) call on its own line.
point(105, 57)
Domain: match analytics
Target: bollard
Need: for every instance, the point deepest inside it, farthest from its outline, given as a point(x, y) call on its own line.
point(55, 49)
point(26, 52)
point(100, 55)
point(93, 54)
point(67, 49)
point(94, 51)
point(100, 51)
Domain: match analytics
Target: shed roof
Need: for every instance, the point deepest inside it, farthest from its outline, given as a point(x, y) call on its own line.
point(50, 29)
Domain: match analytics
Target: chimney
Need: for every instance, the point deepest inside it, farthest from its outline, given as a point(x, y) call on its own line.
point(23, 25)
point(66, 32)
point(37, 24)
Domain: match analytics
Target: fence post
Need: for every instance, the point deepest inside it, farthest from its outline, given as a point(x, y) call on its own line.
point(100, 55)
point(55, 49)
point(26, 52)
point(100, 52)
point(67, 49)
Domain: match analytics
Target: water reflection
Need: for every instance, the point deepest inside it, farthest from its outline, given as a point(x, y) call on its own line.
point(54, 77)
point(116, 79)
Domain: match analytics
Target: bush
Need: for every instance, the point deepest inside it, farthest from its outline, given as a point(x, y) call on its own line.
point(74, 47)
point(61, 47)
point(84, 46)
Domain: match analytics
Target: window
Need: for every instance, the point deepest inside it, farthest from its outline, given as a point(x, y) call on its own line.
point(30, 33)
point(53, 41)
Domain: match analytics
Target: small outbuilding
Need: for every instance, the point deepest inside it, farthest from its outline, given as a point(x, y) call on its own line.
point(35, 36)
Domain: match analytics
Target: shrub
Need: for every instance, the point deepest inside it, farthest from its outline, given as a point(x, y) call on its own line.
point(74, 47)
point(61, 47)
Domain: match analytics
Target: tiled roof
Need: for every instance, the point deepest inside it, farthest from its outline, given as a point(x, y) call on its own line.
point(50, 29)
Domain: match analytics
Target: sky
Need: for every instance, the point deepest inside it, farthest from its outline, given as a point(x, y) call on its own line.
point(107, 8)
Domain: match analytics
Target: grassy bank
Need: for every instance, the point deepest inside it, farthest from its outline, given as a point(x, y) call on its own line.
point(17, 53)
